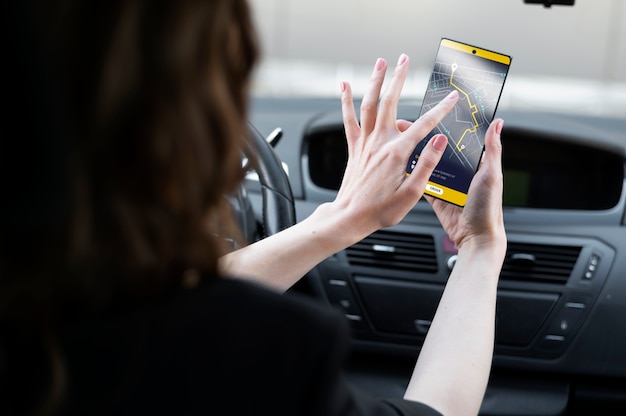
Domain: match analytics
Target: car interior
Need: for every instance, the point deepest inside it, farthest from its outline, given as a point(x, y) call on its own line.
point(560, 330)
point(561, 310)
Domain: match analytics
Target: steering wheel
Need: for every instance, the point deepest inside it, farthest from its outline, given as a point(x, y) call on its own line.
point(278, 210)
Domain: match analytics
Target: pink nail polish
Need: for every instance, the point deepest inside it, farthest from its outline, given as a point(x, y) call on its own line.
point(342, 86)
point(380, 64)
point(440, 142)
point(402, 59)
point(499, 127)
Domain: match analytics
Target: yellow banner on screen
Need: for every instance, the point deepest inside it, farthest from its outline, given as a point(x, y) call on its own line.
point(448, 194)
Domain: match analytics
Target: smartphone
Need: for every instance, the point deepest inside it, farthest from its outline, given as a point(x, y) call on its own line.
point(478, 75)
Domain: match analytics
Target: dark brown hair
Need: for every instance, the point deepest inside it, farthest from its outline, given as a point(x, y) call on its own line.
point(165, 125)
point(154, 95)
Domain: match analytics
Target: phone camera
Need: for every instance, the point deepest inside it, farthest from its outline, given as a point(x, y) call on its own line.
point(474, 51)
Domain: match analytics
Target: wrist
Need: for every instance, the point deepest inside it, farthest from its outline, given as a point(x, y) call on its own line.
point(338, 226)
point(489, 251)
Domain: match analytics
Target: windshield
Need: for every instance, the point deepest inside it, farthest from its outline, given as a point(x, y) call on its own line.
point(565, 59)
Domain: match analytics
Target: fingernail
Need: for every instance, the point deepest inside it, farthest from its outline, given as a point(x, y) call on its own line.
point(440, 142)
point(499, 127)
point(342, 86)
point(380, 64)
point(402, 59)
point(453, 94)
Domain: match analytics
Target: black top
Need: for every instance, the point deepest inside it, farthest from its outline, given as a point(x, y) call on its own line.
point(227, 347)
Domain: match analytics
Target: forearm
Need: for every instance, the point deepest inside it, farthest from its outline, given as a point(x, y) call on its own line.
point(454, 364)
point(280, 260)
point(375, 191)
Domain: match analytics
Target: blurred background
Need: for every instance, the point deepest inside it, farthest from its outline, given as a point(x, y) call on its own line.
point(568, 59)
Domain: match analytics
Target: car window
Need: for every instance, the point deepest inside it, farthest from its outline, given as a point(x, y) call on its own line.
point(566, 59)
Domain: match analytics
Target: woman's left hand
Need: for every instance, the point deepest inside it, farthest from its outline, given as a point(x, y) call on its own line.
point(376, 191)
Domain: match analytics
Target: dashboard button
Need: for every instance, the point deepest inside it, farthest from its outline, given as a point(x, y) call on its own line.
point(551, 343)
point(566, 319)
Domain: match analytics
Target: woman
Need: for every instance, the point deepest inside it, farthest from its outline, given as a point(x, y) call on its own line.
point(127, 303)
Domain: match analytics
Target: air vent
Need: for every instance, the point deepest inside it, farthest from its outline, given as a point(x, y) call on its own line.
point(395, 251)
point(539, 263)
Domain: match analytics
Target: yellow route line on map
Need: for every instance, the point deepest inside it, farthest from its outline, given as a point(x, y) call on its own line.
point(472, 107)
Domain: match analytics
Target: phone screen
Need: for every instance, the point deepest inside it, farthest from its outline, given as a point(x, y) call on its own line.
point(478, 75)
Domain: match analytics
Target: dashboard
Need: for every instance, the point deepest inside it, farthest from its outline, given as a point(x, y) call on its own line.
point(561, 308)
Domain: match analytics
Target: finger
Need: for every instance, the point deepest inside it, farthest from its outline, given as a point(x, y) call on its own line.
point(485, 192)
point(493, 145)
point(492, 156)
point(428, 121)
point(440, 207)
point(428, 160)
point(432, 201)
point(403, 125)
point(350, 122)
point(369, 104)
point(388, 108)
point(489, 175)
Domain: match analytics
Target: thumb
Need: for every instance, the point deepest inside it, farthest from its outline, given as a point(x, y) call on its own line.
point(428, 160)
